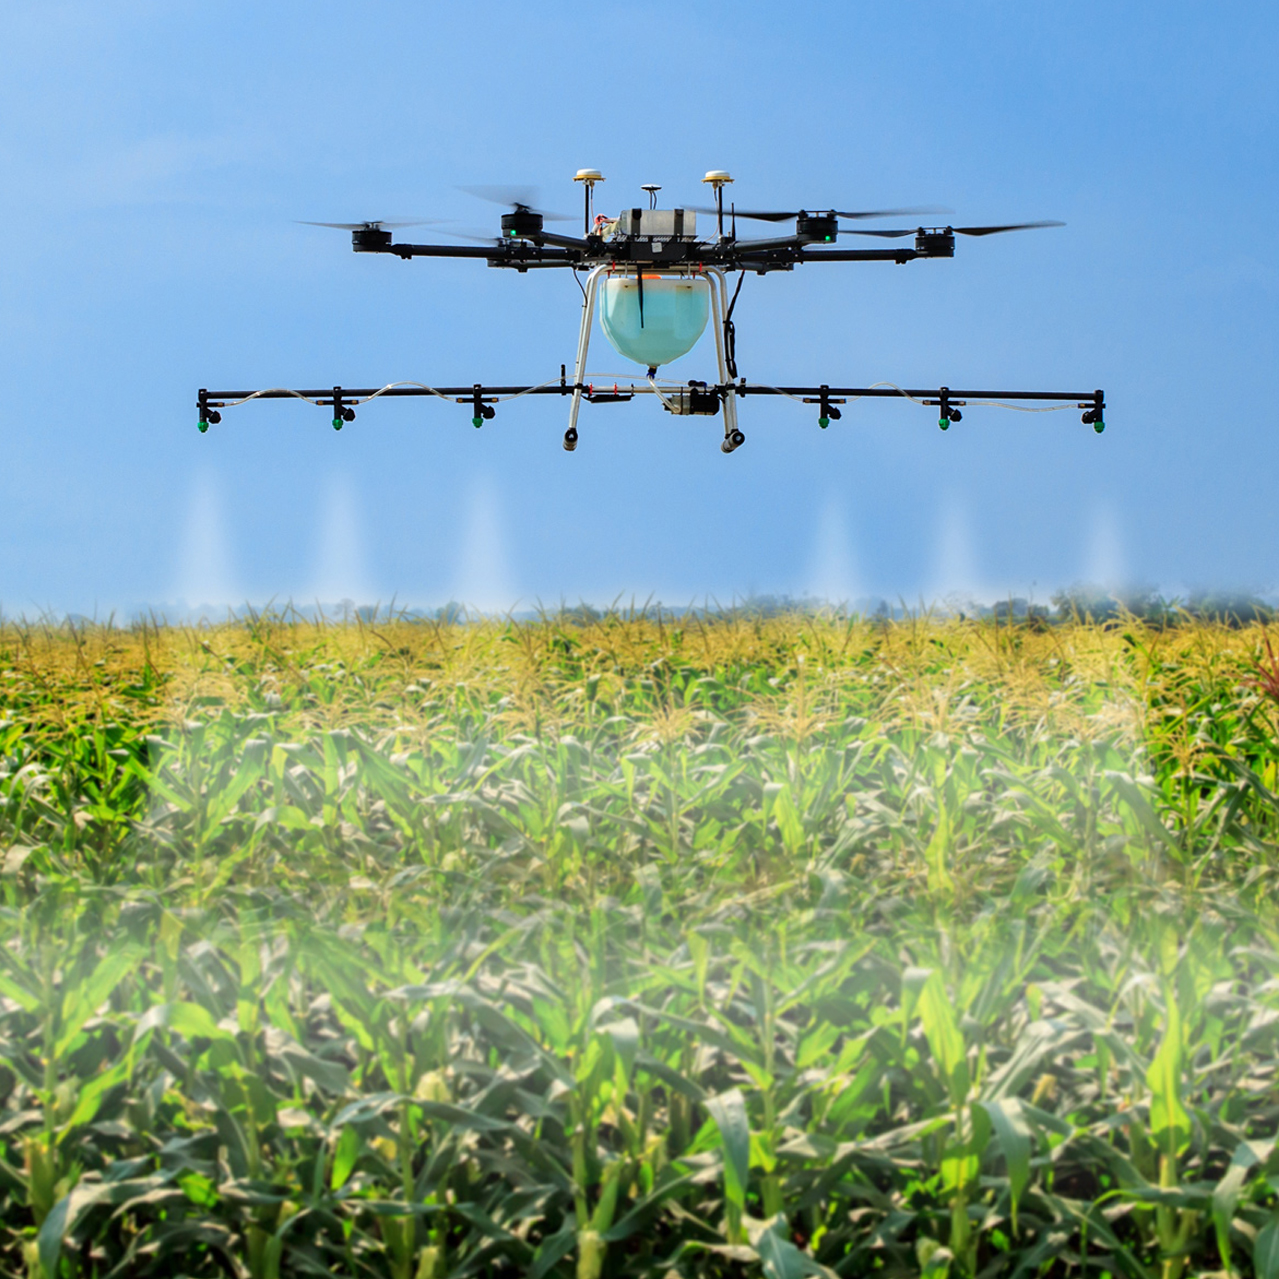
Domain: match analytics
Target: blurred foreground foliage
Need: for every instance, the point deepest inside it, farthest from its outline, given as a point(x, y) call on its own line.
point(629, 945)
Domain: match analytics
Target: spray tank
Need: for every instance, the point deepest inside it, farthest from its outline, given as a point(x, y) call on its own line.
point(653, 318)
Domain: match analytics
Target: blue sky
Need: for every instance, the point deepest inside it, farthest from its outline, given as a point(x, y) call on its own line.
point(156, 156)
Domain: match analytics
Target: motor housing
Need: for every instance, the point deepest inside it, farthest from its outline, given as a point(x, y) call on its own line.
point(520, 222)
point(369, 239)
point(822, 227)
point(935, 244)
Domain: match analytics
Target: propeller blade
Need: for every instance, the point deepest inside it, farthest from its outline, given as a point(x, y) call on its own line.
point(514, 197)
point(893, 213)
point(994, 230)
point(372, 226)
point(757, 217)
point(958, 230)
point(790, 214)
point(887, 235)
point(476, 237)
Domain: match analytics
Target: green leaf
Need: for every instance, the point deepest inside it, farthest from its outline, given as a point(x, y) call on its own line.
point(345, 1155)
point(553, 1249)
point(788, 820)
point(1225, 1197)
point(91, 1092)
point(1265, 1252)
point(942, 1032)
point(779, 1256)
point(1169, 1122)
point(1014, 1140)
point(624, 1035)
point(84, 998)
point(460, 1117)
point(728, 1110)
point(66, 1213)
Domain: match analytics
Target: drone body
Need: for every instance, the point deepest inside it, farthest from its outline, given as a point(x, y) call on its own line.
point(657, 280)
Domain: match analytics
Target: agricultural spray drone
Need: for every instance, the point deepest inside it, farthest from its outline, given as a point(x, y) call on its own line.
point(656, 284)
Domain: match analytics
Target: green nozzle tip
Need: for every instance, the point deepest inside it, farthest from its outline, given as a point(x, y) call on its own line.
point(944, 423)
point(337, 423)
point(477, 422)
point(823, 422)
point(1099, 426)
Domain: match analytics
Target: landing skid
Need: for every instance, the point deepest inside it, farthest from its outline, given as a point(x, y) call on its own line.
point(719, 306)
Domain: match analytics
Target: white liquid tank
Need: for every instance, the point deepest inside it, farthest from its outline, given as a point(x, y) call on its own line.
point(676, 308)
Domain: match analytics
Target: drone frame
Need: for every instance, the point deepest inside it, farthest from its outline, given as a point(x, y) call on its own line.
point(526, 245)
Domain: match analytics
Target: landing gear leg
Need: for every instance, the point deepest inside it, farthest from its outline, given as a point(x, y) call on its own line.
point(733, 438)
point(583, 346)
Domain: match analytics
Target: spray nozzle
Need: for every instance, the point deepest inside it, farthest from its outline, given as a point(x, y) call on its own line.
point(828, 413)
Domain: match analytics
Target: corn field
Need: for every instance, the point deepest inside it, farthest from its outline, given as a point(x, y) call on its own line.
point(639, 946)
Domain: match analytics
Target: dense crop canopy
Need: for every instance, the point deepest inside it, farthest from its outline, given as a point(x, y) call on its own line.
point(639, 946)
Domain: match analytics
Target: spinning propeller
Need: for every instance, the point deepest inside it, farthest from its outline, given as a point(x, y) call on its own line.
point(896, 234)
point(373, 226)
point(791, 214)
point(523, 219)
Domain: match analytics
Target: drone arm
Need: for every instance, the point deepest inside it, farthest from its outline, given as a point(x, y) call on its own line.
point(563, 241)
point(437, 250)
point(861, 255)
point(770, 245)
point(506, 253)
point(367, 244)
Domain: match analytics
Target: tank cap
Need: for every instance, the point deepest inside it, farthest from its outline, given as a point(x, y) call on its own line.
point(717, 177)
point(589, 175)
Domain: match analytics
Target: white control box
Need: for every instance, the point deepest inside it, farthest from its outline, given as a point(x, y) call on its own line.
point(657, 224)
